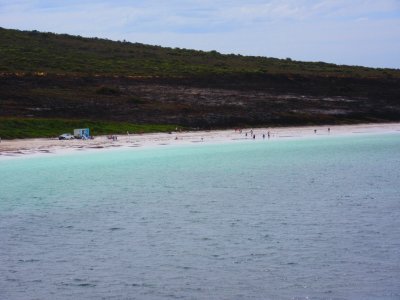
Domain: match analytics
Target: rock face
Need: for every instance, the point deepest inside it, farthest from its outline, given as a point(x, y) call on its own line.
point(204, 102)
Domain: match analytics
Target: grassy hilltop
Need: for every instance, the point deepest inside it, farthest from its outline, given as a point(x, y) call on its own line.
point(33, 51)
point(59, 77)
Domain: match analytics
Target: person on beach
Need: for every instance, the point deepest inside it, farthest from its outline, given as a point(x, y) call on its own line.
point(254, 137)
point(315, 130)
point(263, 136)
point(329, 130)
point(268, 135)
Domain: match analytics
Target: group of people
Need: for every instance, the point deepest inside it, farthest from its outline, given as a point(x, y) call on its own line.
point(252, 134)
point(112, 137)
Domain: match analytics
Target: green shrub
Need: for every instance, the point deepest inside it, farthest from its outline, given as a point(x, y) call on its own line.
point(12, 128)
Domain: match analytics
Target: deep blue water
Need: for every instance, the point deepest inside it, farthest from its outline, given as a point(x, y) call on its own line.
point(290, 219)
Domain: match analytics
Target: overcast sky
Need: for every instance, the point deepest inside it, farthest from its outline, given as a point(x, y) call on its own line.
point(353, 32)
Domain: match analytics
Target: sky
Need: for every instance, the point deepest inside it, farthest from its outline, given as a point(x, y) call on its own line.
point(351, 32)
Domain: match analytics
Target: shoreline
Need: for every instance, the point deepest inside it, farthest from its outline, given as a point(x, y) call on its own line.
point(47, 146)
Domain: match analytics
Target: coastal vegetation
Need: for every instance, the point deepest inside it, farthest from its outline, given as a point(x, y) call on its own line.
point(42, 53)
point(12, 128)
point(52, 82)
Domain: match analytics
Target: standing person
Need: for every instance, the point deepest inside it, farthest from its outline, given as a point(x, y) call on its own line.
point(315, 130)
point(268, 135)
point(329, 130)
point(263, 136)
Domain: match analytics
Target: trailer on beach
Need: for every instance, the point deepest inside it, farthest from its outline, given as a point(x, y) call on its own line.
point(82, 133)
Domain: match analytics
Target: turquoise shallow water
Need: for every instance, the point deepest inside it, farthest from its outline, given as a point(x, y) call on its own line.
point(295, 219)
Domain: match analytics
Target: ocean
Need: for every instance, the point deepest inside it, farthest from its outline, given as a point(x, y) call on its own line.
point(312, 218)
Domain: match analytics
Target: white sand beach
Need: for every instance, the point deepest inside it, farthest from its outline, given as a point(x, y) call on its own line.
point(22, 147)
